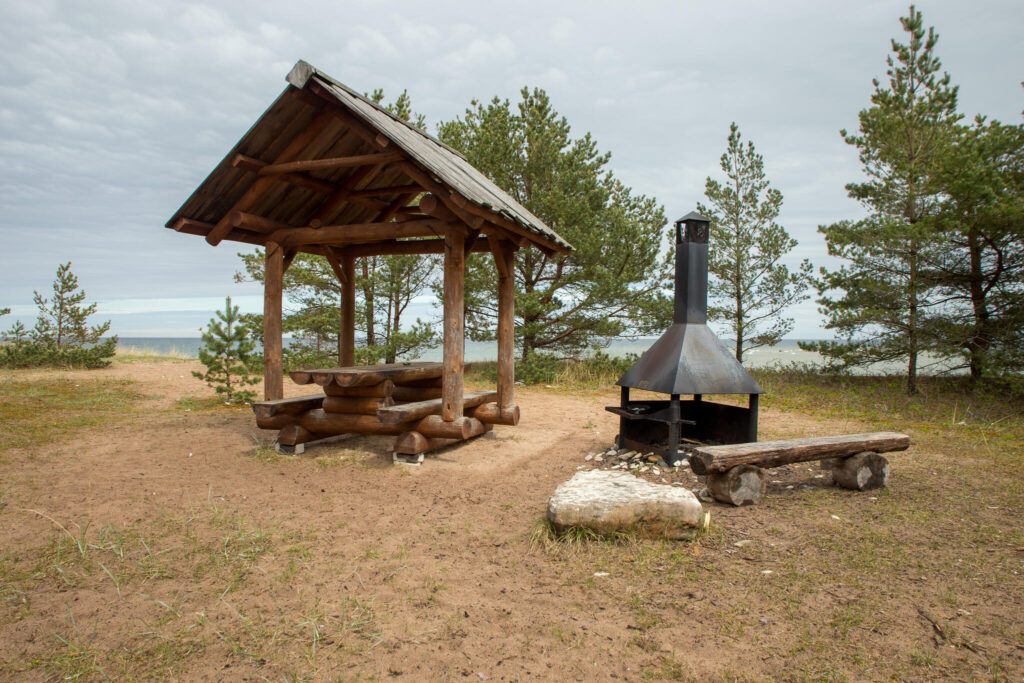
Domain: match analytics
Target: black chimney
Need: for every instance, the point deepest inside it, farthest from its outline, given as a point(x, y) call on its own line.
point(691, 303)
point(687, 359)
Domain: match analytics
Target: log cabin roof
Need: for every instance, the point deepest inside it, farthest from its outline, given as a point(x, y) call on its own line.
point(324, 165)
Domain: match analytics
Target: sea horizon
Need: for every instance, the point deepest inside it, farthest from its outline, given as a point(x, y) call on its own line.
point(785, 353)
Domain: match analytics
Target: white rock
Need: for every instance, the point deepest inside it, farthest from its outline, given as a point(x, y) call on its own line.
point(616, 501)
point(598, 458)
point(655, 470)
point(590, 456)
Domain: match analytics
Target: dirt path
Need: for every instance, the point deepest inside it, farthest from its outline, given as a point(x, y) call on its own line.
point(338, 565)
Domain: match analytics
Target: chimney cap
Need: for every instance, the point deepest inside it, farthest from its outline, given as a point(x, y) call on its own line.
point(693, 216)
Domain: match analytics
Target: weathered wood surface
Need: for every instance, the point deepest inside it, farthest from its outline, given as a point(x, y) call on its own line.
point(366, 375)
point(347, 335)
point(434, 426)
point(504, 257)
point(406, 412)
point(710, 459)
point(414, 443)
point(360, 405)
point(452, 169)
point(384, 389)
point(410, 394)
point(323, 422)
point(861, 472)
point(273, 379)
point(495, 414)
point(454, 329)
point(327, 164)
point(741, 485)
point(297, 145)
point(293, 435)
point(287, 406)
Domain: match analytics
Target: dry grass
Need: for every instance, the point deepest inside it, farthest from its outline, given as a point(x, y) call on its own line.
point(42, 410)
point(919, 581)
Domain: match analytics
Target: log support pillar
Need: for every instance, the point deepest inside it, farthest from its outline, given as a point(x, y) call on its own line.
point(454, 318)
point(273, 377)
point(347, 329)
point(504, 259)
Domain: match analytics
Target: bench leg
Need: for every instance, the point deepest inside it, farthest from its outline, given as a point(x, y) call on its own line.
point(741, 485)
point(861, 472)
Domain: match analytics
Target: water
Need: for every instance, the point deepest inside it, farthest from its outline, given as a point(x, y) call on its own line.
point(784, 353)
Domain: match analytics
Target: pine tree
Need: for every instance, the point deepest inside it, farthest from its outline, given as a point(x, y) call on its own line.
point(61, 336)
point(879, 304)
point(63, 319)
point(979, 275)
point(612, 284)
point(226, 354)
point(750, 288)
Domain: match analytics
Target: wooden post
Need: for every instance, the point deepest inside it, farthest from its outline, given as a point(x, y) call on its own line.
point(454, 280)
point(347, 331)
point(504, 258)
point(273, 377)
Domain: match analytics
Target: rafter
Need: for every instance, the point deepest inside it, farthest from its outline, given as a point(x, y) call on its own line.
point(300, 143)
point(374, 159)
point(357, 232)
point(252, 165)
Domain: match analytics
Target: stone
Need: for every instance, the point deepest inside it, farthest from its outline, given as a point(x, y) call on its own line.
point(607, 502)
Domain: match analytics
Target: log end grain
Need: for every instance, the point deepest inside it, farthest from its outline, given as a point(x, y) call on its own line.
point(861, 472)
point(741, 485)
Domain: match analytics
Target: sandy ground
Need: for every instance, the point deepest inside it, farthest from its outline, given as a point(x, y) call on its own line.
point(370, 570)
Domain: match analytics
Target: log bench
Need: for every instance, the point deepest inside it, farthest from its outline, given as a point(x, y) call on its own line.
point(736, 472)
point(401, 399)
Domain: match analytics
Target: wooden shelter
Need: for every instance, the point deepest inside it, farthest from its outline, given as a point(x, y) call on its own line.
point(325, 171)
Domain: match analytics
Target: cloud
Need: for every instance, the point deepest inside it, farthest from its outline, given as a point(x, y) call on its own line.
point(111, 113)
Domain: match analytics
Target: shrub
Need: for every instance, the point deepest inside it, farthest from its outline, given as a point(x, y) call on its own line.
point(225, 353)
point(61, 337)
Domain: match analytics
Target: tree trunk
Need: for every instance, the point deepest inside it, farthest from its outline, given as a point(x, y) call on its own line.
point(912, 331)
point(979, 342)
point(371, 337)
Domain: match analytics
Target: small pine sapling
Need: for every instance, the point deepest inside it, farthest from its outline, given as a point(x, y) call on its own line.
point(226, 352)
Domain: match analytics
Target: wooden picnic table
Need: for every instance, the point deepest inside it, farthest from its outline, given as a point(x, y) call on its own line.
point(368, 375)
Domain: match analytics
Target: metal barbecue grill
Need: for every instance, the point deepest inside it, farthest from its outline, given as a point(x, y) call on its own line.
point(687, 360)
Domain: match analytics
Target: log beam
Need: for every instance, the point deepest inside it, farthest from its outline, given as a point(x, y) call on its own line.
point(252, 165)
point(375, 159)
point(741, 485)
point(504, 256)
point(347, 331)
point(494, 414)
point(710, 459)
point(330, 205)
point(262, 184)
point(454, 343)
point(412, 246)
point(287, 406)
point(357, 405)
point(356, 232)
point(273, 379)
point(407, 412)
point(546, 245)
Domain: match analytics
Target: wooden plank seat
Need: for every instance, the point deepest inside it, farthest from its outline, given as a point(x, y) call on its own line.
point(265, 410)
point(406, 412)
point(736, 471)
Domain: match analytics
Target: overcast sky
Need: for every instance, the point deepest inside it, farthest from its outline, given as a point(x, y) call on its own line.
point(112, 112)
